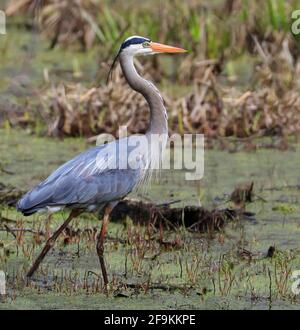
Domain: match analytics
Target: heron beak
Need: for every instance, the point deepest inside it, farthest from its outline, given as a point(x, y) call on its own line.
point(161, 48)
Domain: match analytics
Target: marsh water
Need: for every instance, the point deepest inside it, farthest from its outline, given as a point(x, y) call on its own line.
point(195, 265)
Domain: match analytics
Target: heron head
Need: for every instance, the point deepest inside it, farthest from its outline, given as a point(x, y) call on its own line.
point(136, 45)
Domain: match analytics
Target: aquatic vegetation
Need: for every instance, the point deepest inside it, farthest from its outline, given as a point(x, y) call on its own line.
point(158, 266)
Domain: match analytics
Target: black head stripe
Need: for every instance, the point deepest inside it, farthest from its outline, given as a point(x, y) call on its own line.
point(134, 41)
point(126, 43)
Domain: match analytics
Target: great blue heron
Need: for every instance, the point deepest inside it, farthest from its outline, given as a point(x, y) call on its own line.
point(89, 182)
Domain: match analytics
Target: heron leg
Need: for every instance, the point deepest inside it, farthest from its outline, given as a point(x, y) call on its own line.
point(101, 239)
point(50, 242)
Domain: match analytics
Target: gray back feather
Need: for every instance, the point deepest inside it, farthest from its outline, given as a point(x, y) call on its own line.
point(87, 179)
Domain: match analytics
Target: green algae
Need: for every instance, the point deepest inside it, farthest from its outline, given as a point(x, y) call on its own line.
point(208, 271)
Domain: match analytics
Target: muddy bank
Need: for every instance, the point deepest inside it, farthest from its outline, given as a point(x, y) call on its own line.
point(194, 218)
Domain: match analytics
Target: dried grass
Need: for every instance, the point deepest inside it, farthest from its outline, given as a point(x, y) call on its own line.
point(62, 21)
point(216, 106)
point(211, 108)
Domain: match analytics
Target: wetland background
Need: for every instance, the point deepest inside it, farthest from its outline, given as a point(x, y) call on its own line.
point(239, 85)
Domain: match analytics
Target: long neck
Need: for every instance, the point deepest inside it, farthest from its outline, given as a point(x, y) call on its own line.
point(158, 114)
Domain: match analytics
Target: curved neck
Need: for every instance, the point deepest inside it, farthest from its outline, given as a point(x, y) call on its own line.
point(158, 114)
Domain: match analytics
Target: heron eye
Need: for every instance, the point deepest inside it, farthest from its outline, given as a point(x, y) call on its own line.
point(146, 44)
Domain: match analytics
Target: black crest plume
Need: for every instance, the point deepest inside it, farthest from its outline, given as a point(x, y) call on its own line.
point(112, 67)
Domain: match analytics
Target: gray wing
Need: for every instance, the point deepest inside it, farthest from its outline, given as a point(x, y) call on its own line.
point(91, 178)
